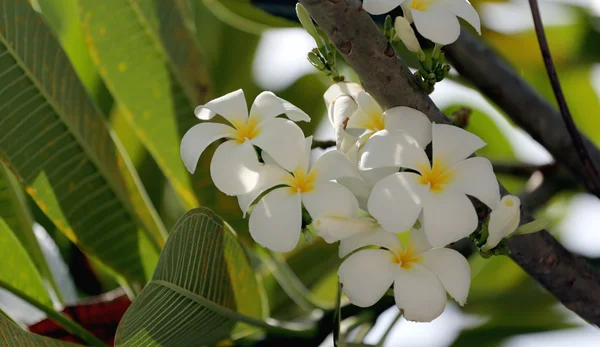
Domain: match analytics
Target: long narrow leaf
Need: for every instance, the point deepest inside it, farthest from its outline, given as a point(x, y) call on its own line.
point(56, 142)
point(11, 335)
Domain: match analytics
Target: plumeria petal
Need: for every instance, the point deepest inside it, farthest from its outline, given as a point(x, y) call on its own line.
point(452, 144)
point(283, 140)
point(411, 121)
point(304, 163)
point(234, 168)
point(359, 188)
point(338, 89)
point(336, 228)
point(339, 113)
point(330, 199)
point(267, 106)
point(361, 120)
point(380, 6)
point(439, 26)
point(367, 275)
point(396, 201)
point(269, 176)
point(196, 140)
point(231, 106)
point(392, 149)
point(448, 217)
point(452, 269)
point(464, 10)
point(376, 237)
point(419, 241)
point(419, 294)
point(367, 103)
point(276, 220)
point(475, 176)
point(333, 165)
point(407, 35)
point(504, 220)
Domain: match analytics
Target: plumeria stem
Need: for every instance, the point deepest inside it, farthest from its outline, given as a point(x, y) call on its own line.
point(389, 329)
point(362, 332)
point(560, 97)
point(62, 320)
point(337, 316)
point(533, 227)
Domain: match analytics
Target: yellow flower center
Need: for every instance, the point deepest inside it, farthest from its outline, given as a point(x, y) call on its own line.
point(302, 182)
point(375, 122)
point(509, 203)
point(437, 176)
point(245, 130)
point(407, 257)
point(420, 5)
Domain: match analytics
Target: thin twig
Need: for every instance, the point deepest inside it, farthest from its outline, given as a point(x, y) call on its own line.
point(337, 316)
point(522, 170)
point(560, 97)
point(323, 144)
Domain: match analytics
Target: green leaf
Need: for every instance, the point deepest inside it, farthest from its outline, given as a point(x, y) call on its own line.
point(243, 15)
point(60, 147)
point(16, 214)
point(158, 82)
point(12, 335)
point(18, 270)
point(203, 284)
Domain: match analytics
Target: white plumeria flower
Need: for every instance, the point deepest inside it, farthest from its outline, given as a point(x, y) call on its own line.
point(276, 220)
point(504, 220)
point(234, 166)
point(435, 19)
point(421, 276)
point(341, 105)
point(438, 191)
point(407, 35)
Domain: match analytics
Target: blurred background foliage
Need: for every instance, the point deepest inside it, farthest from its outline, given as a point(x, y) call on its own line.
point(147, 63)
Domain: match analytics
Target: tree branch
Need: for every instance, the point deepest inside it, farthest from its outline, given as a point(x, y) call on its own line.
point(391, 83)
point(522, 170)
point(527, 108)
point(592, 173)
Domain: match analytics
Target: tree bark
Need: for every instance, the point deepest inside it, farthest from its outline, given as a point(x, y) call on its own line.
point(390, 82)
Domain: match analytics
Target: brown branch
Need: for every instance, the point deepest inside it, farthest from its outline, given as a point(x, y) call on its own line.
point(526, 107)
point(522, 170)
point(592, 173)
point(391, 83)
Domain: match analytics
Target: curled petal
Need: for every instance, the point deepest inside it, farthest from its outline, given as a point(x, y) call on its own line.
point(268, 106)
point(336, 228)
point(476, 177)
point(330, 199)
point(380, 6)
point(448, 217)
point(231, 106)
point(419, 294)
point(452, 144)
point(283, 140)
point(439, 26)
point(276, 221)
point(407, 35)
point(464, 10)
point(376, 237)
point(234, 168)
point(452, 269)
point(333, 165)
point(392, 149)
point(504, 220)
point(269, 176)
point(412, 121)
point(396, 201)
point(341, 88)
point(196, 140)
point(367, 275)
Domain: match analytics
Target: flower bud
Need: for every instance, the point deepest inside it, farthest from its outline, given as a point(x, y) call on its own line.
point(334, 228)
point(313, 58)
point(504, 220)
point(307, 22)
point(406, 33)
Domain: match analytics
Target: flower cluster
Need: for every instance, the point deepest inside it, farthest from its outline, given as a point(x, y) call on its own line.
point(377, 184)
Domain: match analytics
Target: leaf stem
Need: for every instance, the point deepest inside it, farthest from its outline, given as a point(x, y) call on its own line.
point(337, 315)
point(584, 156)
point(389, 329)
point(62, 320)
